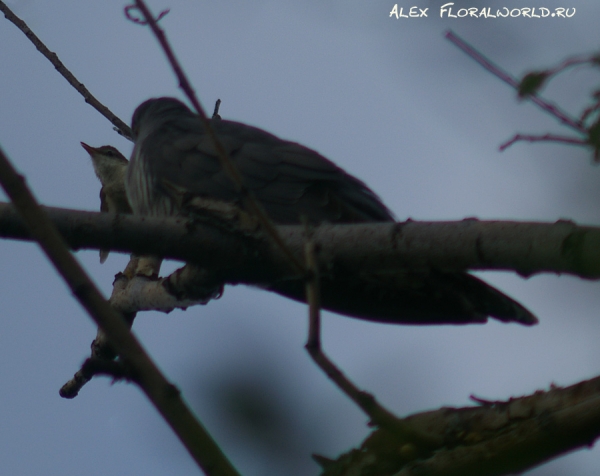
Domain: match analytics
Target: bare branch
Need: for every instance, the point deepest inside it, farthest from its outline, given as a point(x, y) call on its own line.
point(186, 287)
point(96, 366)
point(163, 394)
point(247, 257)
point(120, 126)
point(544, 138)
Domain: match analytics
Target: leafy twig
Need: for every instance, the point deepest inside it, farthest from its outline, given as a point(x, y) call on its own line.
point(529, 87)
point(550, 108)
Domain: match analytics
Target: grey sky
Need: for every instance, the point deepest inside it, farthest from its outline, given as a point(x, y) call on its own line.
point(390, 101)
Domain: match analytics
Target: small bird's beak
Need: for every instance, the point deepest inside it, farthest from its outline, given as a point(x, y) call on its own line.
point(90, 150)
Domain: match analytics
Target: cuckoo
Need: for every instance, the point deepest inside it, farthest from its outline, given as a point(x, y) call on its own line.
point(174, 155)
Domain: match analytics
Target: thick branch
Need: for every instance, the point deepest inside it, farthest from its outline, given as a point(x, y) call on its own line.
point(238, 255)
point(493, 439)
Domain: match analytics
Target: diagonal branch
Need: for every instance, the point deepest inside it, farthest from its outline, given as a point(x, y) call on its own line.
point(121, 127)
point(158, 389)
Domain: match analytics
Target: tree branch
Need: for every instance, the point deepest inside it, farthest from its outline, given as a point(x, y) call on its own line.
point(539, 101)
point(157, 388)
point(543, 138)
point(493, 439)
point(188, 286)
point(243, 255)
point(120, 126)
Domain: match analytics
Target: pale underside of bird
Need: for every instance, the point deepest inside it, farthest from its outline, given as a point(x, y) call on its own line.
point(110, 167)
point(174, 160)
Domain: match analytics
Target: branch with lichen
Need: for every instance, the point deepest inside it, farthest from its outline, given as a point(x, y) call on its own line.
point(492, 439)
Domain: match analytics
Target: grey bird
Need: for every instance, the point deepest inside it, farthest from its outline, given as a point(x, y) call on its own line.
point(110, 167)
point(173, 155)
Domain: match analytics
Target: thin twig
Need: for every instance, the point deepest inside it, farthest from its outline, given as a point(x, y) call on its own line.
point(159, 390)
point(544, 138)
point(120, 126)
point(139, 21)
point(253, 206)
point(484, 401)
point(367, 402)
point(571, 63)
point(313, 290)
point(215, 114)
point(550, 108)
point(588, 111)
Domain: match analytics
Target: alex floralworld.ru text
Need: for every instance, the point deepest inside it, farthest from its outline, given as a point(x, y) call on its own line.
point(447, 11)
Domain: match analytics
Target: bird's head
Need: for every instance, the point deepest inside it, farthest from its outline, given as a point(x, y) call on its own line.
point(109, 163)
point(157, 109)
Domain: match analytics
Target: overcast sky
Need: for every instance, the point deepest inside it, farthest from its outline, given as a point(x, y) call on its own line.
point(392, 102)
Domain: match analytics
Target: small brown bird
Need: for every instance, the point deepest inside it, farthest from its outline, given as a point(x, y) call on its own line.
point(110, 167)
point(173, 157)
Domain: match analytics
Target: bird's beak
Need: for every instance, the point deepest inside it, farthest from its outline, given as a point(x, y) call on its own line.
point(90, 150)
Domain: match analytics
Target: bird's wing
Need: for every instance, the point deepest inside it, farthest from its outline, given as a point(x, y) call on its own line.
point(288, 179)
point(291, 181)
